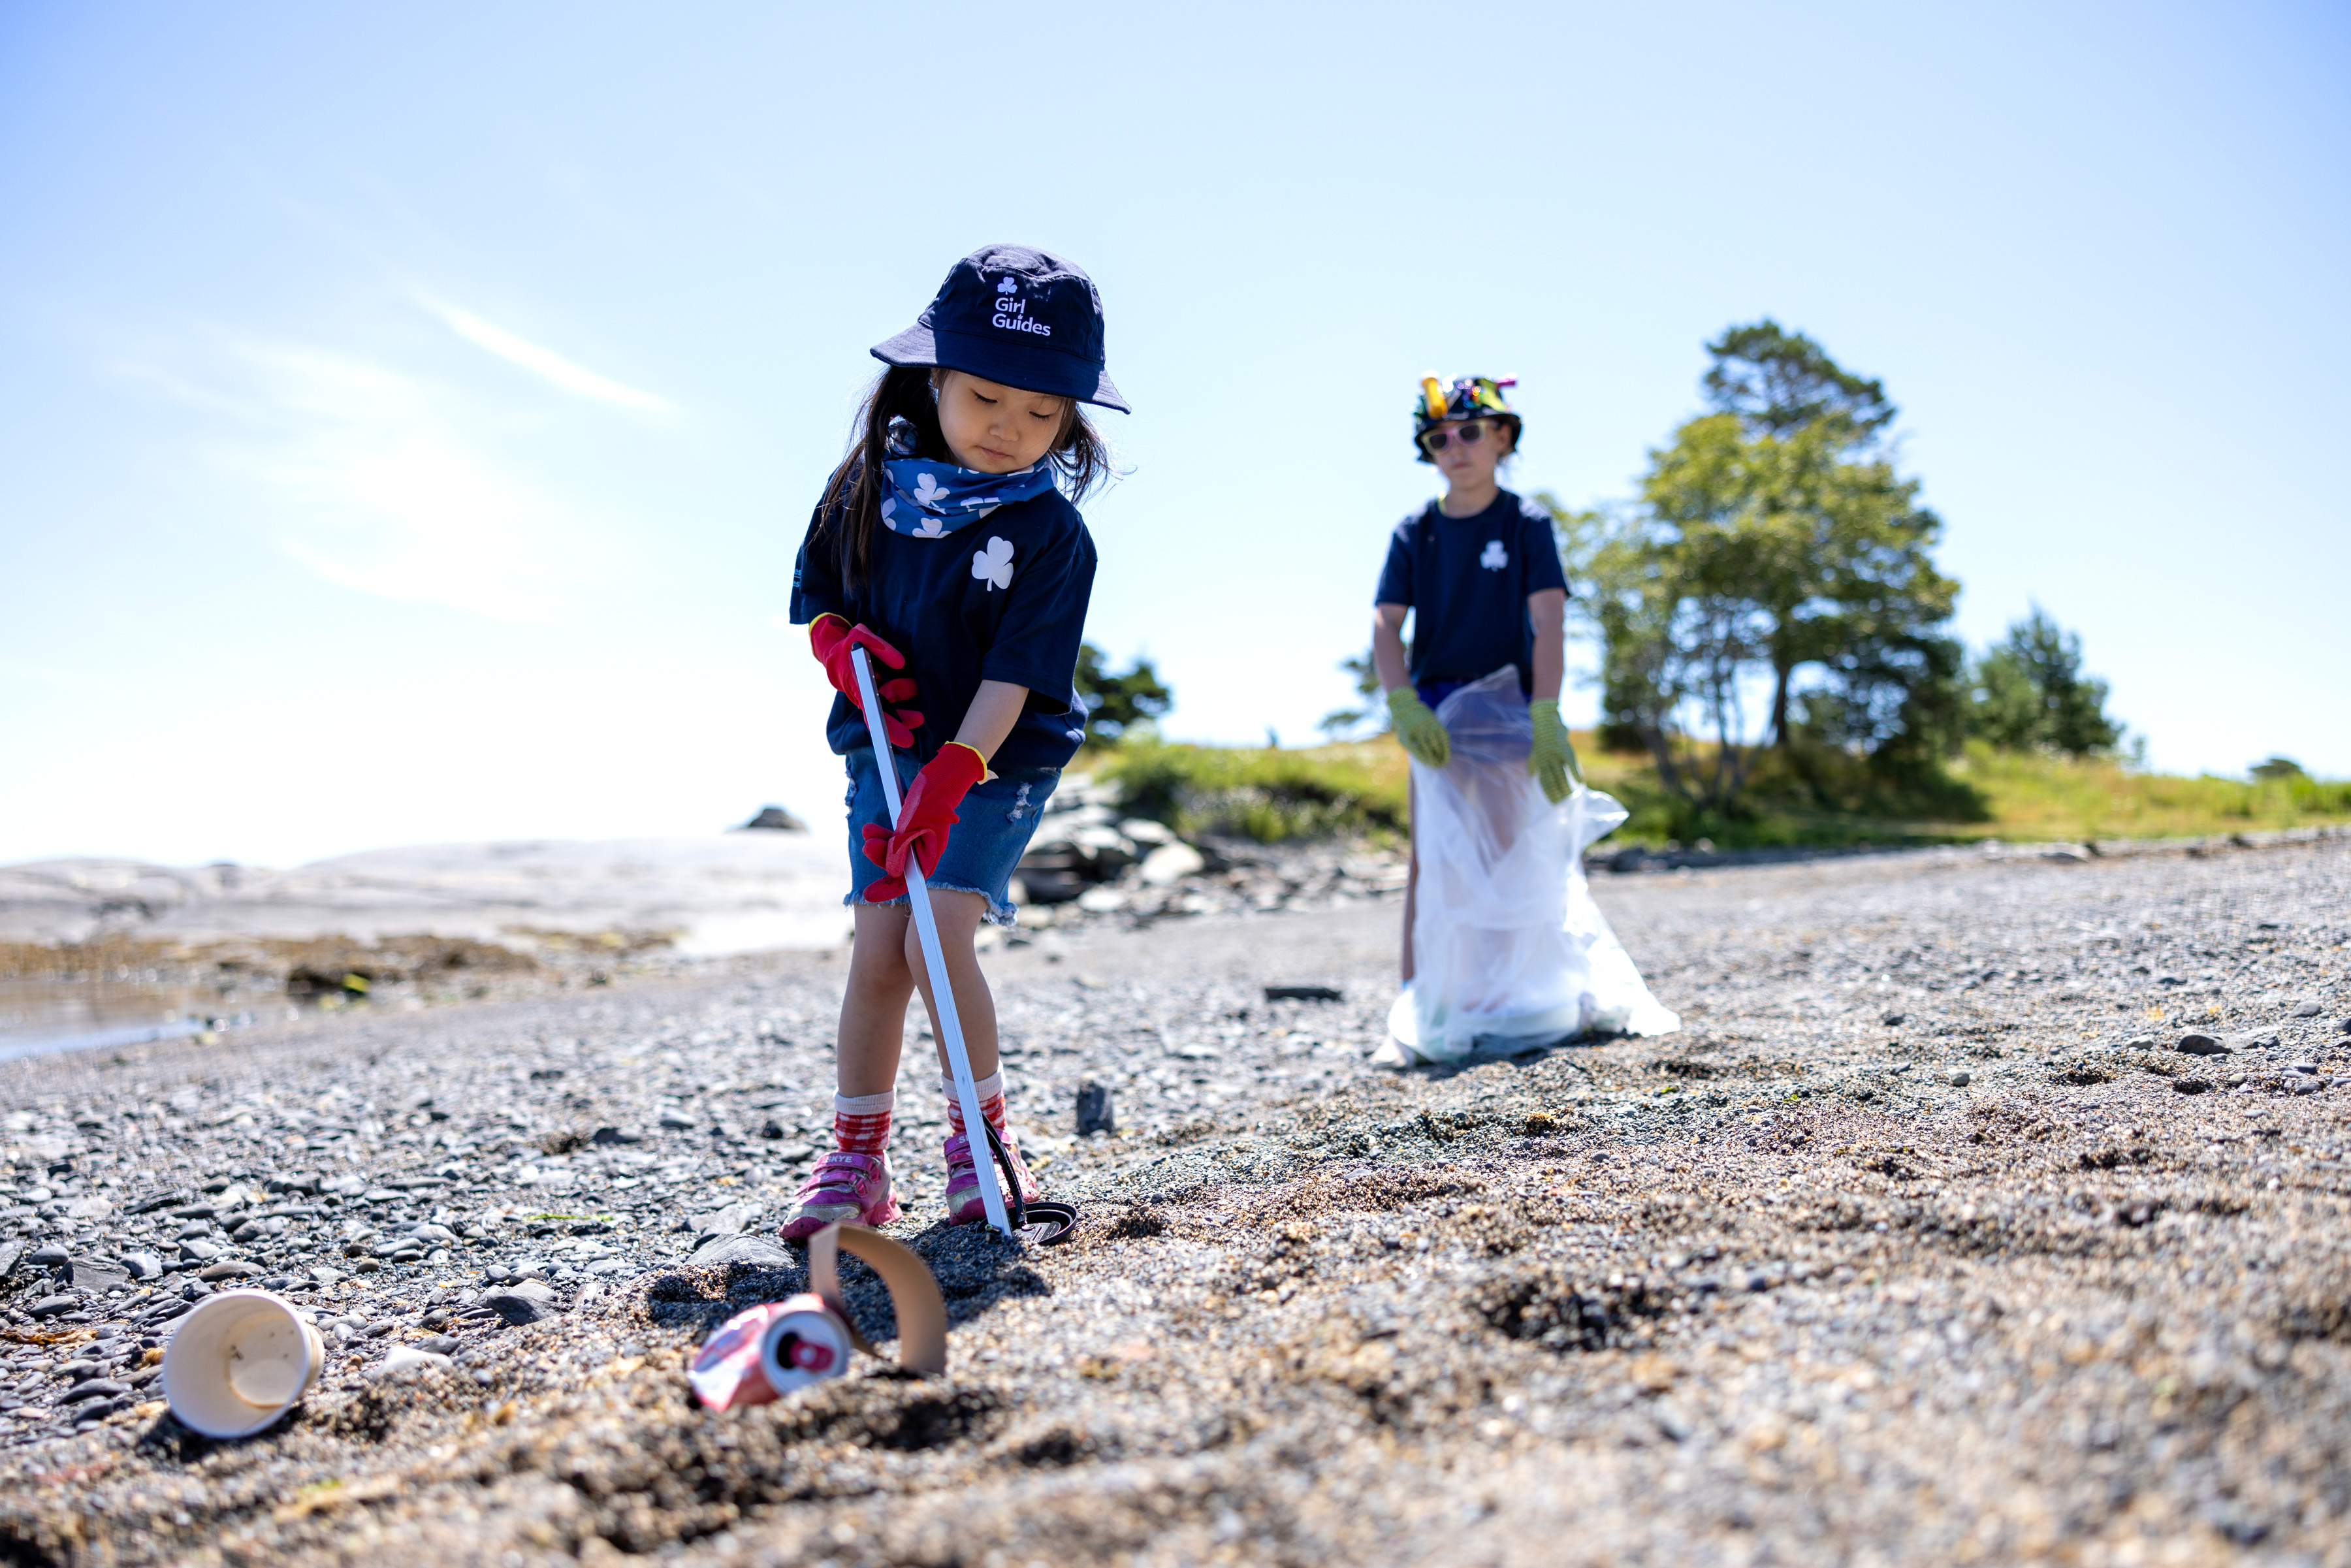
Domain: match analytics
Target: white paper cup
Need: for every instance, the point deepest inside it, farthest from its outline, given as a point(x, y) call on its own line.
point(239, 1362)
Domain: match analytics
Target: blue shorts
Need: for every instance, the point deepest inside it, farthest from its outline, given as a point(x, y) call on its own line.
point(992, 830)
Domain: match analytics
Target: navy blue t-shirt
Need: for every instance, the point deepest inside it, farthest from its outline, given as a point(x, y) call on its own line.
point(1467, 580)
point(1002, 598)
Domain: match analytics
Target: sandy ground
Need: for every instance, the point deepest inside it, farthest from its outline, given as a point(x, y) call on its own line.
point(1923, 1242)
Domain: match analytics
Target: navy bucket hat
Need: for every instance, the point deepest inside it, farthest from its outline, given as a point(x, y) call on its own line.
point(1010, 314)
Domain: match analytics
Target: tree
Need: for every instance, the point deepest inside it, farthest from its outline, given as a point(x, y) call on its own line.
point(1372, 716)
point(1116, 703)
point(1844, 551)
point(1774, 542)
point(2029, 691)
point(1777, 383)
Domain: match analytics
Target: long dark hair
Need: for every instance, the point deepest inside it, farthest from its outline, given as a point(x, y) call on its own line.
point(852, 496)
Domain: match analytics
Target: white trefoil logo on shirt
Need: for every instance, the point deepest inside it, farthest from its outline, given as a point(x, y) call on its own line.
point(1495, 558)
point(1012, 311)
point(993, 566)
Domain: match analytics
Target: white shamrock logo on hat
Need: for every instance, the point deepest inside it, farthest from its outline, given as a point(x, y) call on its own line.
point(993, 566)
point(1007, 285)
point(928, 491)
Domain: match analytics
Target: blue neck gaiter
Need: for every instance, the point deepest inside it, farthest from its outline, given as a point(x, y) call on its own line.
point(927, 500)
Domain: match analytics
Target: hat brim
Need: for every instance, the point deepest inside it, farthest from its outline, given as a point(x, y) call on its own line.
point(1029, 367)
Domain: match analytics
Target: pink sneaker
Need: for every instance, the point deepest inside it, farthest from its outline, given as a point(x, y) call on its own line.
point(844, 1187)
point(963, 1205)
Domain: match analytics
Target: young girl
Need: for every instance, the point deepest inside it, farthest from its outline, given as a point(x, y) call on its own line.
point(946, 548)
point(1479, 570)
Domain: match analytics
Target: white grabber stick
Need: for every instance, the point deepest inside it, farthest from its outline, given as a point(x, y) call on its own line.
point(934, 958)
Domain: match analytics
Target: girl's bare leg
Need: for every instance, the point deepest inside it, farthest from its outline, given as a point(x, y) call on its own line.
point(874, 1008)
point(958, 915)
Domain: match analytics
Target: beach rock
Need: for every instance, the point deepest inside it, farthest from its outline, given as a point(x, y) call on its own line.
point(52, 1306)
point(93, 1388)
point(1961, 1079)
point(536, 1289)
point(2254, 1040)
point(732, 1220)
point(610, 1137)
point(774, 820)
point(89, 1208)
point(1171, 864)
point(143, 1265)
point(10, 1251)
point(97, 1275)
point(517, 1310)
point(2199, 1044)
point(763, 1251)
point(1094, 1113)
point(2308, 1009)
point(216, 1272)
point(409, 1358)
point(1303, 994)
point(49, 1255)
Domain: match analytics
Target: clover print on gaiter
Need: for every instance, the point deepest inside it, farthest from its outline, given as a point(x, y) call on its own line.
point(993, 565)
point(928, 491)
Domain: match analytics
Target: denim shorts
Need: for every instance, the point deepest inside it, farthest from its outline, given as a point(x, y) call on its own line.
point(991, 833)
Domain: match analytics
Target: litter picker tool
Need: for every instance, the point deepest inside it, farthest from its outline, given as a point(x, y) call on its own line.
point(1038, 1221)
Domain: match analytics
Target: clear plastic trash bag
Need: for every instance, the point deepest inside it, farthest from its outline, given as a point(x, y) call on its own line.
point(1509, 950)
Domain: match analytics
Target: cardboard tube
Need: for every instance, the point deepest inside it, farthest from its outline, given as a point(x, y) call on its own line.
point(240, 1360)
point(913, 1293)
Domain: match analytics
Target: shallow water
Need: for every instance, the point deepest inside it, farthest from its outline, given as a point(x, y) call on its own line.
point(38, 1016)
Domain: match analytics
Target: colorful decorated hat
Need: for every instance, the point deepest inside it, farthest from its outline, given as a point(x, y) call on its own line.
point(1469, 397)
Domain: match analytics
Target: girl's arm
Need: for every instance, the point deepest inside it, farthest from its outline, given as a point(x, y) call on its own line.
point(1388, 646)
point(994, 709)
point(1548, 609)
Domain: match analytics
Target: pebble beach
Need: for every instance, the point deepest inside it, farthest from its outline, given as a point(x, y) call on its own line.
point(1987, 1208)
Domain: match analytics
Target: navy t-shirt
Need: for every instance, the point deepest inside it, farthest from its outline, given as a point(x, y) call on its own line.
point(1002, 599)
point(1467, 580)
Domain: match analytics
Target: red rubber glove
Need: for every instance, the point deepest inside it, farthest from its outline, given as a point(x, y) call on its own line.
point(924, 818)
point(832, 639)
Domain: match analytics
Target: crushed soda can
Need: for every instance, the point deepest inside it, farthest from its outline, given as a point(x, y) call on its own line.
point(778, 1347)
point(770, 1350)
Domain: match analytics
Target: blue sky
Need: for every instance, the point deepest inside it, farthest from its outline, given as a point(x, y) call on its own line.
point(407, 417)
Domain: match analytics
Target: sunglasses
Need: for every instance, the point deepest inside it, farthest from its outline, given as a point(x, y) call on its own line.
point(1469, 433)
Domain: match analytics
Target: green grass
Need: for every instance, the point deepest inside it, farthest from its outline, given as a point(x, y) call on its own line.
point(2033, 797)
point(1255, 792)
point(1809, 799)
